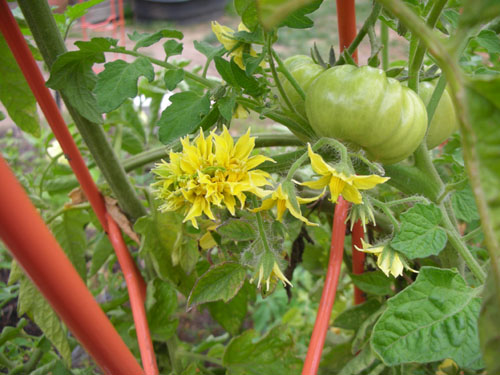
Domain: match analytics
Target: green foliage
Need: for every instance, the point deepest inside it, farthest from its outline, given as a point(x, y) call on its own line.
point(220, 282)
point(353, 317)
point(420, 234)
point(32, 303)
point(271, 354)
point(373, 283)
point(432, 319)
point(147, 39)
point(118, 81)
point(161, 304)
point(230, 315)
point(15, 93)
point(183, 116)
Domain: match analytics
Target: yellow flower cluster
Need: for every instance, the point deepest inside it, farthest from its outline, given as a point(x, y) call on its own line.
point(225, 34)
point(211, 171)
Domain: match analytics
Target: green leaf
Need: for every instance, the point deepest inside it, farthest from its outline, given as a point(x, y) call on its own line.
point(101, 252)
point(478, 11)
point(238, 230)
point(69, 231)
point(15, 94)
point(489, 40)
point(273, 12)
point(464, 205)
point(2, 116)
point(172, 48)
point(186, 254)
point(272, 354)
point(359, 363)
point(118, 81)
point(230, 315)
point(483, 97)
point(161, 304)
point(353, 317)
point(433, 319)
point(489, 333)
point(159, 233)
point(375, 282)
point(249, 84)
point(73, 12)
point(148, 39)
point(226, 107)
point(72, 74)
point(224, 69)
point(173, 77)
point(32, 303)
point(299, 20)
point(247, 10)
point(220, 282)
point(420, 236)
point(208, 50)
point(183, 116)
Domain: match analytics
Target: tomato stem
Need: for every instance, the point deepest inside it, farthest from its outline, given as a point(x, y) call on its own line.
point(384, 38)
point(288, 75)
point(358, 258)
point(318, 336)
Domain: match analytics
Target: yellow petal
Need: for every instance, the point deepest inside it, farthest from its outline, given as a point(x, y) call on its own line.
point(240, 112)
point(336, 186)
point(244, 146)
point(298, 214)
point(367, 182)
point(318, 184)
point(207, 241)
point(223, 34)
point(277, 272)
point(351, 194)
point(257, 160)
point(267, 204)
point(309, 200)
point(317, 163)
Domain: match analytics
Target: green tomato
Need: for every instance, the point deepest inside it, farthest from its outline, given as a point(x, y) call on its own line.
point(444, 122)
point(305, 71)
point(364, 108)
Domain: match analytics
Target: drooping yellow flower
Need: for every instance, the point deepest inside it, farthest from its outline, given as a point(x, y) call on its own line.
point(225, 36)
point(340, 183)
point(388, 259)
point(275, 274)
point(283, 202)
point(211, 171)
point(240, 113)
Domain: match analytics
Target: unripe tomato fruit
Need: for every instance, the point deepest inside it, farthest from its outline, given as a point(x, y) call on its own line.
point(304, 70)
point(444, 122)
point(364, 108)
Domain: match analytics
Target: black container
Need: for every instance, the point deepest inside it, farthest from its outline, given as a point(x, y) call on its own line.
point(178, 11)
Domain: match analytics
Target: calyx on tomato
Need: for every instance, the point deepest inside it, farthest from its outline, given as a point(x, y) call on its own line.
point(364, 108)
point(304, 70)
point(444, 122)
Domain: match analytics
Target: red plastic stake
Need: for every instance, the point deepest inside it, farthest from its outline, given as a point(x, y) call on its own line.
point(346, 20)
point(37, 251)
point(28, 66)
point(358, 259)
point(318, 336)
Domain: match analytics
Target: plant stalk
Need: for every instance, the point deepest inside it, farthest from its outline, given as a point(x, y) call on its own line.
point(49, 41)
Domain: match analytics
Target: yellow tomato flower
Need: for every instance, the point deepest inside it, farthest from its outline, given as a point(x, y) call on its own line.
point(275, 274)
point(211, 171)
point(448, 367)
point(225, 36)
point(339, 183)
point(281, 199)
point(240, 113)
point(388, 260)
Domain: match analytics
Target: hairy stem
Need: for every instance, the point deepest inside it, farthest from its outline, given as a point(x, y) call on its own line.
point(288, 75)
point(49, 41)
point(384, 38)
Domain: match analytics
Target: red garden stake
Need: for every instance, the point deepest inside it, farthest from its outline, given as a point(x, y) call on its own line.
point(358, 259)
point(135, 282)
point(318, 336)
point(37, 251)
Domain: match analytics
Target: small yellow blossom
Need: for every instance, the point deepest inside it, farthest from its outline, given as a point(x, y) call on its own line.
point(240, 113)
point(275, 274)
point(448, 367)
point(225, 36)
point(207, 241)
point(211, 171)
point(283, 202)
point(340, 183)
point(388, 259)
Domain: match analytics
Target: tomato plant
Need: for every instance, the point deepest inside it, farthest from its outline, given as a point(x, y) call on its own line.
point(230, 218)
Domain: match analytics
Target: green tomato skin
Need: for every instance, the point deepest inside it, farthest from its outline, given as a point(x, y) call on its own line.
point(305, 71)
point(444, 122)
point(364, 108)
